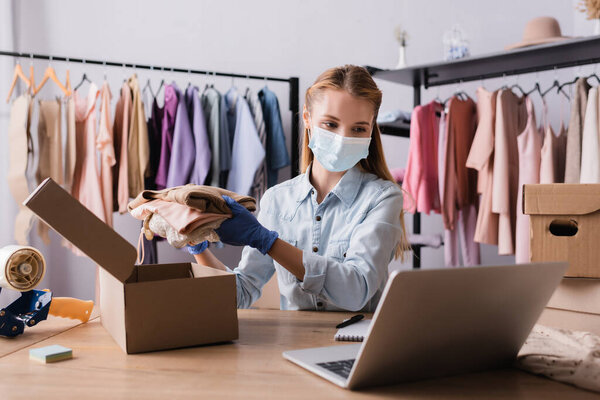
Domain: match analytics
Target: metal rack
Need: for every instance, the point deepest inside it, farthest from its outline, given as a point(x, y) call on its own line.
point(564, 54)
point(293, 82)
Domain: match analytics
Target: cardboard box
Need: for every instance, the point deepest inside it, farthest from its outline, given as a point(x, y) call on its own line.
point(575, 305)
point(565, 225)
point(577, 294)
point(143, 307)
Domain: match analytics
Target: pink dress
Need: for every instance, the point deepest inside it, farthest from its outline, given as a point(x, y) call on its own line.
point(104, 143)
point(86, 180)
point(421, 177)
point(530, 149)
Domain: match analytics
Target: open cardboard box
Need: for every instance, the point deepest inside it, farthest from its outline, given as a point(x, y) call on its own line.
point(144, 307)
point(565, 225)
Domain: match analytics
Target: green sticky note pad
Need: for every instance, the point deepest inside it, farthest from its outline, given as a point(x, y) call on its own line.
point(50, 354)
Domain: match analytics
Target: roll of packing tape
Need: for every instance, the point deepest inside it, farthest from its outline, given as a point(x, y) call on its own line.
point(22, 267)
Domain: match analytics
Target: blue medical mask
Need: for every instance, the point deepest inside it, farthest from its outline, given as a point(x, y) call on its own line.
point(335, 152)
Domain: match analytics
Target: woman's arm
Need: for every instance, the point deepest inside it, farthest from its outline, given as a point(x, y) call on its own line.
point(208, 259)
point(289, 257)
point(285, 254)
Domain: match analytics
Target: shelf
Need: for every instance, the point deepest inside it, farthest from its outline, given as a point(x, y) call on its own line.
point(567, 53)
point(398, 128)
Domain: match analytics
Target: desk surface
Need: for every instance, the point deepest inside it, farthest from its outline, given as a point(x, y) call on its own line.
point(251, 367)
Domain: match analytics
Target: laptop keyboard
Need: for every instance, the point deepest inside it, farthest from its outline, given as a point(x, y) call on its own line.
point(342, 367)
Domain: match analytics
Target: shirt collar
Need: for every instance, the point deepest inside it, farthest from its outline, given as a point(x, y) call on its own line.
point(345, 190)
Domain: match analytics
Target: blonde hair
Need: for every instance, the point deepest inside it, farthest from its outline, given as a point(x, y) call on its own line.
point(357, 82)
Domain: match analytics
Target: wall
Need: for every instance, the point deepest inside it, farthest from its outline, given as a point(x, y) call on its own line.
point(281, 38)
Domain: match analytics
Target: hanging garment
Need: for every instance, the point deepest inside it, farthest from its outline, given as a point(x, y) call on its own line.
point(530, 153)
point(578, 107)
point(166, 144)
point(49, 150)
point(277, 155)
point(86, 179)
point(560, 153)
point(50, 141)
point(201, 140)
point(156, 113)
point(464, 233)
point(421, 178)
point(511, 118)
point(211, 105)
point(460, 182)
point(481, 158)
point(590, 152)
point(547, 164)
point(259, 185)
point(19, 142)
point(71, 143)
point(247, 153)
point(226, 134)
point(183, 151)
point(154, 139)
point(105, 145)
point(203, 198)
point(459, 208)
point(121, 136)
point(138, 148)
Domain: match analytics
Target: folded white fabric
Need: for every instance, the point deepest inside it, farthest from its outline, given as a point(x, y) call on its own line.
point(159, 226)
point(567, 356)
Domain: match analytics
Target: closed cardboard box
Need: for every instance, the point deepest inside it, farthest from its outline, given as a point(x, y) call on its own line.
point(144, 307)
point(565, 225)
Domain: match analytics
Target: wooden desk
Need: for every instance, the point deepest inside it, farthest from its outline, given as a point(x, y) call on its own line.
point(250, 368)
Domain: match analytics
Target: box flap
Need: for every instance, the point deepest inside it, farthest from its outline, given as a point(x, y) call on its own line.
point(81, 227)
point(561, 199)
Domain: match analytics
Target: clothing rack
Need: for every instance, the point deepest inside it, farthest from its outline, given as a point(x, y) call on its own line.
point(564, 54)
point(294, 100)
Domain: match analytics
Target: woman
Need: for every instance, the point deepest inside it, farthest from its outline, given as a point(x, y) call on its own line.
point(331, 232)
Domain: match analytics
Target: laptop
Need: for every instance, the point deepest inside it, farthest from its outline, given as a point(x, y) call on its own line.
point(434, 323)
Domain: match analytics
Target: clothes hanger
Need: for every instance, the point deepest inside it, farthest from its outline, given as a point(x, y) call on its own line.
point(148, 86)
point(577, 76)
point(18, 74)
point(556, 85)
point(84, 78)
point(50, 73)
point(517, 86)
point(189, 73)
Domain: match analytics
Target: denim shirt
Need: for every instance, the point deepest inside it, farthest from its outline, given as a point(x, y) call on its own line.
point(347, 242)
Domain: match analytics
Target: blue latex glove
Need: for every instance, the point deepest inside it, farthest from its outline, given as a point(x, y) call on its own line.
point(244, 230)
point(197, 249)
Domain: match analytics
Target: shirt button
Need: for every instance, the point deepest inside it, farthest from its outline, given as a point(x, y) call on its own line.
point(319, 304)
point(344, 255)
point(318, 218)
point(312, 191)
point(315, 249)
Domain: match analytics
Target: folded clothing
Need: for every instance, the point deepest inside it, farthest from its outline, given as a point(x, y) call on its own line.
point(393, 116)
point(158, 225)
point(202, 198)
point(182, 218)
point(567, 356)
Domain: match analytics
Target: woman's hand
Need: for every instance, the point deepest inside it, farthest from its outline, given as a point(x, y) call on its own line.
point(244, 230)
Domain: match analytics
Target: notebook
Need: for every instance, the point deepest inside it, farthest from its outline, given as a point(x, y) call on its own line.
point(353, 333)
